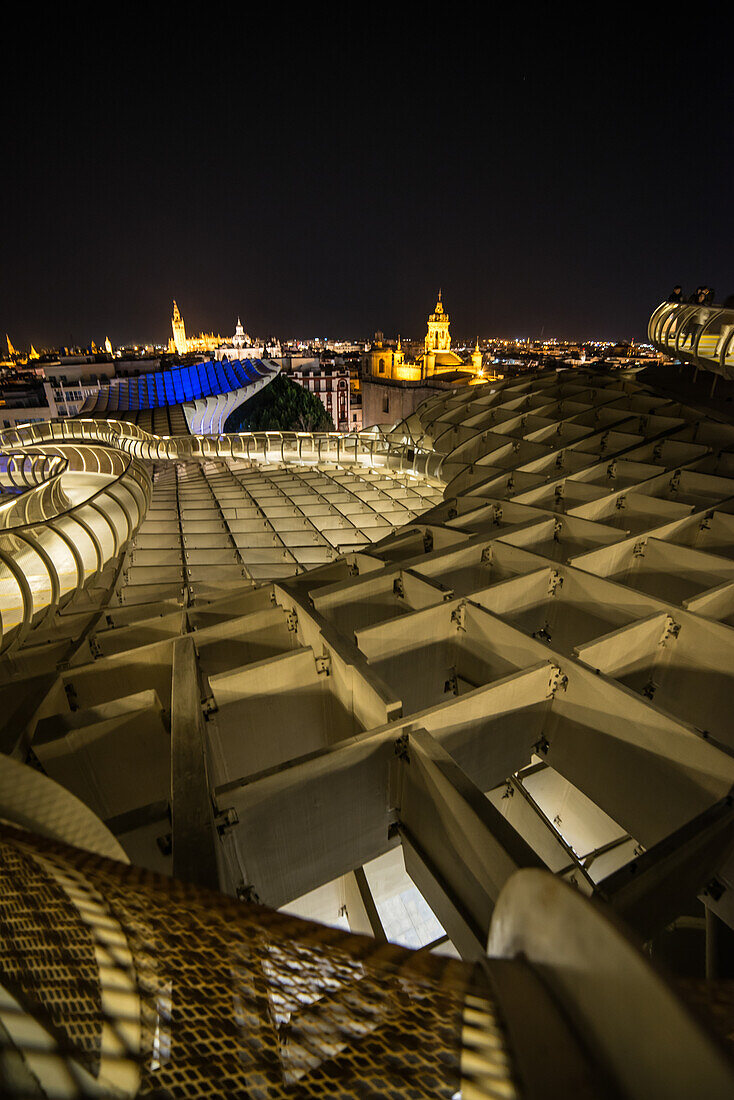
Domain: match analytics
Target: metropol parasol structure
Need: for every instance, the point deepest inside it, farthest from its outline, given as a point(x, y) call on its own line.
point(367, 765)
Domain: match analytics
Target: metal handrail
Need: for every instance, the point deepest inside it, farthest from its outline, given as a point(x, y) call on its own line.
point(702, 335)
point(38, 581)
point(38, 584)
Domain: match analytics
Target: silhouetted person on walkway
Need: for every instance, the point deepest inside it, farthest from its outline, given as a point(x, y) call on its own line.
point(676, 294)
point(699, 318)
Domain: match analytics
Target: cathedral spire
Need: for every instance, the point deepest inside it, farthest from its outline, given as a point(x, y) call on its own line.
point(437, 337)
point(180, 342)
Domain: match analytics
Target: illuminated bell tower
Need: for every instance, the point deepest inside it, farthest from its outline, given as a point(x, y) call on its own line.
point(476, 359)
point(437, 337)
point(398, 355)
point(179, 332)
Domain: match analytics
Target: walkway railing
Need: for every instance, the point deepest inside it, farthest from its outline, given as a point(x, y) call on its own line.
point(702, 335)
point(82, 506)
point(87, 492)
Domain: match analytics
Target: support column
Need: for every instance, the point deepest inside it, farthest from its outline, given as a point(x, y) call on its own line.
point(459, 850)
point(361, 908)
point(192, 819)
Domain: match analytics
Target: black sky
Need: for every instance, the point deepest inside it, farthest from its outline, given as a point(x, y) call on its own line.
point(325, 178)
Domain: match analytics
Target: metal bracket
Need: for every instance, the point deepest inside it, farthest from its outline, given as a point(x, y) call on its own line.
point(401, 747)
point(672, 630)
point(428, 542)
point(675, 482)
point(458, 616)
point(557, 529)
point(226, 820)
point(542, 633)
point(620, 502)
point(291, 620)
point(638, 550)
point(353, 569)
point(558, 681)
point(715, 889)
point(649, 690)
point(246, 892)
point(323, 665)
point(398, 588)
point(705, 524)
point(209, 706)
point(165, 844)
point(555, 581)
point(612, 470)
point(451, 686)
point(486, 558)
point(497, 514)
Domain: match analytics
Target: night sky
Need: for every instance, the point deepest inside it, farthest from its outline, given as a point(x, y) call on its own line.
point(325, 179)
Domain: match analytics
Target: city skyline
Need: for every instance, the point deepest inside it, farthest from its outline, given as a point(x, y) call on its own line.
point(160, 339)
point(157, 342)
point(330, 179)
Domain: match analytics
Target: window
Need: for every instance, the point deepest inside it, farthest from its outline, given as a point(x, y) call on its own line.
point(386, 404)
point(382, 366)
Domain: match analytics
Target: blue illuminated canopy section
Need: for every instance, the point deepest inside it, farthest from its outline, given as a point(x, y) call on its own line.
point(176, 386)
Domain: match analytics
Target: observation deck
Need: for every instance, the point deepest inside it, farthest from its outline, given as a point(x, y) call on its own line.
point(462, 684)
point(702, 335)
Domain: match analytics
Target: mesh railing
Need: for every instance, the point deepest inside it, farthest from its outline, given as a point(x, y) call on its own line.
point(119, 981)
point(361, 448)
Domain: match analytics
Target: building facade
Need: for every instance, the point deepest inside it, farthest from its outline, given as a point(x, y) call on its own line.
point(384, 362)
point(330, 382)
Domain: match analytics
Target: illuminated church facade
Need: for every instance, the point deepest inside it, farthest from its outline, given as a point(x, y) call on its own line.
point(437, 358)
point(205, 343)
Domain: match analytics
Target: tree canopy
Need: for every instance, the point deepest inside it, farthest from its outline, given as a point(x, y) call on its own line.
point(281, 406)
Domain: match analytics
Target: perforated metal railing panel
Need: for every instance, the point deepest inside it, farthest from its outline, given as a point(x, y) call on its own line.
point(119, 981)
